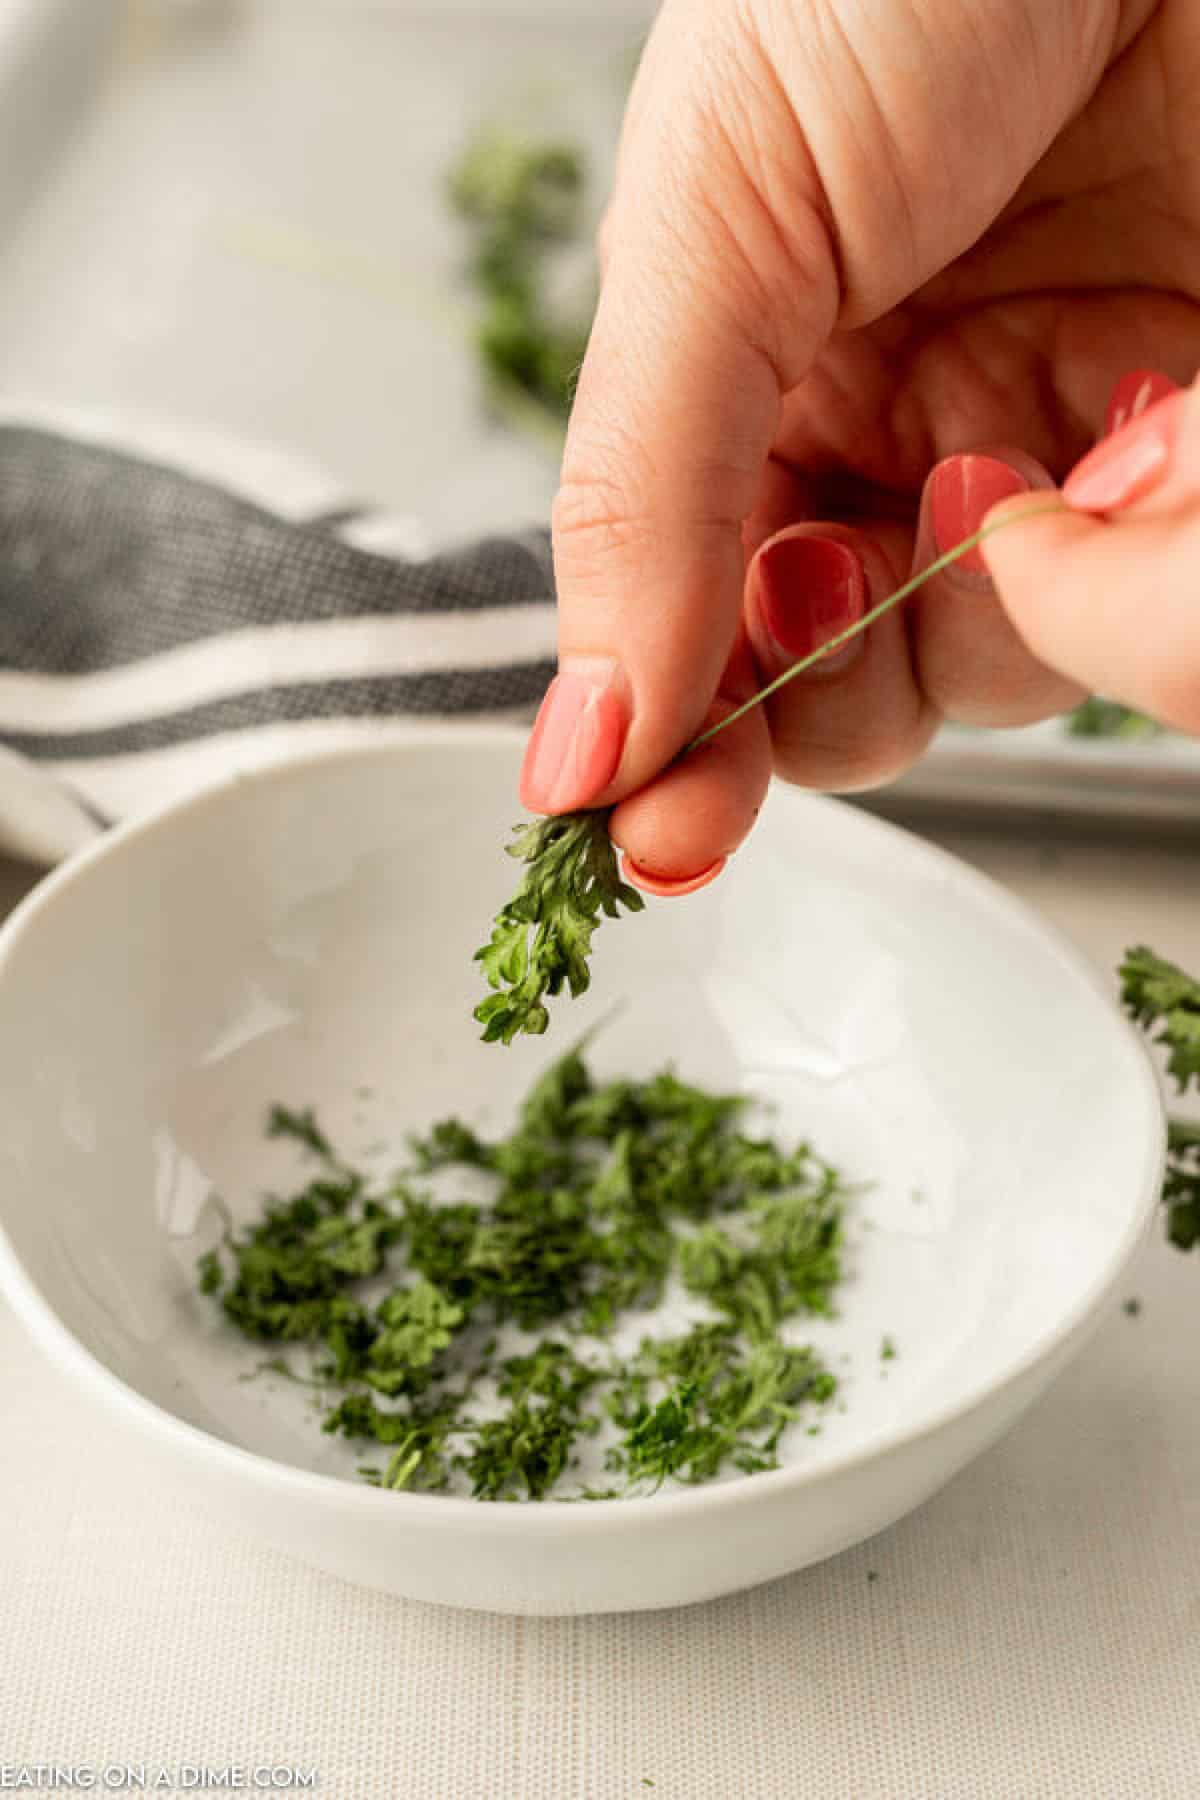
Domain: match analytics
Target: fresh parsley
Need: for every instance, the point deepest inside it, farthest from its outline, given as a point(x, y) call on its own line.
point(1098, 718)
point(1165, 1001)
point(542, 937)
point(601, 1196)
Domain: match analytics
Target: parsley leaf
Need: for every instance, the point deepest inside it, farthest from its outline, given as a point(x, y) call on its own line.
point(1181, 1183)
point(1159, 994)
point(600, 1196)
point(542, 937)
point(1099, 718)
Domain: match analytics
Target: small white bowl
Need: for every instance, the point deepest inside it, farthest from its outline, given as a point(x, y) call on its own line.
point(306, 934)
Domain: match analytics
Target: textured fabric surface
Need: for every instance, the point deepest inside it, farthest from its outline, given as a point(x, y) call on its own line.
point(105, 557)
point(174, 608)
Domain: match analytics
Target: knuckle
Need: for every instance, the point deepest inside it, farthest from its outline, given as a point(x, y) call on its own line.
point(856, 760)
point(593, 516)
point(601, 507)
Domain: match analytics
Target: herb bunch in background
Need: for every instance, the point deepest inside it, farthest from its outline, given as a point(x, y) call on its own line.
point(1164, 1000)
point(522, 200)
point(601, 1196)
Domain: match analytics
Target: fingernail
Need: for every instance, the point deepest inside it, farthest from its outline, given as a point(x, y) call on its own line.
point(810, 589)
point(664, 885)
point(1134, 394)
point(962, 491)
point(1127, 465)
point(577, 737)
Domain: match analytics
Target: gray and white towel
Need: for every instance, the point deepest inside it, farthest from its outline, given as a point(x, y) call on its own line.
point(174, 607)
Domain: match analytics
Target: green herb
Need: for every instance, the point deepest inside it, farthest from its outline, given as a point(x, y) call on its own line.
point(1131, 1307)
point(299, 1125)
point(542, 937)
point(1165, 1001)
point(1158, 993)
point(523, 1453)
point(1181, 1183)
point(420, 1436)
point(522, 200)
point(720, 1404)
point(1097, 718)
point(600, 1196)
point(887, 1350)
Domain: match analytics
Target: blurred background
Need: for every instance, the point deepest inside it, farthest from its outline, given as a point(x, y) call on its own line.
point(237, 213)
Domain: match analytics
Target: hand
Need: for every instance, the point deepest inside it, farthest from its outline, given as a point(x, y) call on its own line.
point(1116, 598)
point(866, 270)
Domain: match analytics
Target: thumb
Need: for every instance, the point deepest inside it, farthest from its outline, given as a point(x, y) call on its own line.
point(676, 408)
point(1105, 589)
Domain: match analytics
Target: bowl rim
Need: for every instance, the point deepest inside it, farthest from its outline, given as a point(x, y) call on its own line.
point(50, 1331)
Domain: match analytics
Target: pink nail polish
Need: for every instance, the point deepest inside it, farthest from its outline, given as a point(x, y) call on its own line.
point(577, 738)
point(1135, 394)
point(1127, 465)
point(666, 886)
point(810, 589)
point(962, 490)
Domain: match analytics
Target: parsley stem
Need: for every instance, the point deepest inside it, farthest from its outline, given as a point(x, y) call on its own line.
point(843, 637)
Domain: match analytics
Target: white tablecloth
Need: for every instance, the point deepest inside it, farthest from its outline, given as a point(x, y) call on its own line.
point(1033, 1631)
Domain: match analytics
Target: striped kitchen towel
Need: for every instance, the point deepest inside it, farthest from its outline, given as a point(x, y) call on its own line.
point(174, 607)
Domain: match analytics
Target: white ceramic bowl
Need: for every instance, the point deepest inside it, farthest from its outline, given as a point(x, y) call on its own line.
point(306, 934)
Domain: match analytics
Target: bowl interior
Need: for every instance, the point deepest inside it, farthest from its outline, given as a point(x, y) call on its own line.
point(306, 935)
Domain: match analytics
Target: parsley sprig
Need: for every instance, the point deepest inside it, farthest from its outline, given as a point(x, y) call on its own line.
point(542, 937)
point(1164, 1000)
point(601, 1196)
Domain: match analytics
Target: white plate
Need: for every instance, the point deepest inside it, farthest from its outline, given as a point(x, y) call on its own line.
point(306, 933)
point(1149, 782)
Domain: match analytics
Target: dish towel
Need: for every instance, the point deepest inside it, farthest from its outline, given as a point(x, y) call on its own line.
point(174, 607)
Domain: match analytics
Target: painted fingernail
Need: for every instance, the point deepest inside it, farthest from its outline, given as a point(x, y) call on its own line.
point(810, 590)
point(577, 737)
point(664, 885)
point(1134, 394)
point(1127, 465)
point(962, 491)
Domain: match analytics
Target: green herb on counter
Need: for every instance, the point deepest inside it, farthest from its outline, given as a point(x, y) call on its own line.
point(1165, 1001)
point(522, 200)
point(600, 1196)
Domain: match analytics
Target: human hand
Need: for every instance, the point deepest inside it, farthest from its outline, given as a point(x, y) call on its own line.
point(1109, 587)
point(847, 245)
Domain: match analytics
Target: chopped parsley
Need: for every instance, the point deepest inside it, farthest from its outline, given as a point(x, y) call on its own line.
point(600, 1197)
